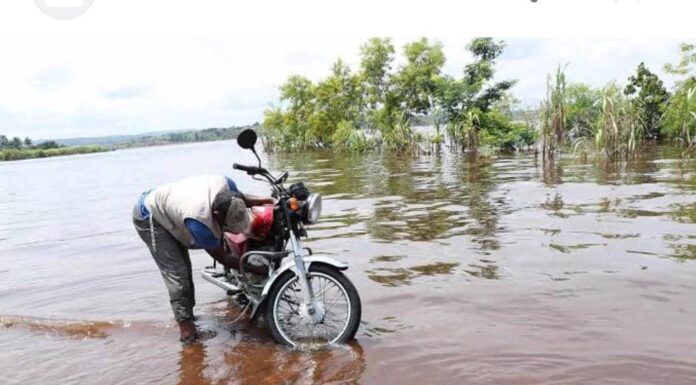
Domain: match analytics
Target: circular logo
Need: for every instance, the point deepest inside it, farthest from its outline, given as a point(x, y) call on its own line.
point(64, 9)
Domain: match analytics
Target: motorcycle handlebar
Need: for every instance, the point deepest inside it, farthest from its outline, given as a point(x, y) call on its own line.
point(251, 170)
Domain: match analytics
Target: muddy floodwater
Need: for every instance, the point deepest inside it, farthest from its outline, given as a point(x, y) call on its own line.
point(488, 272)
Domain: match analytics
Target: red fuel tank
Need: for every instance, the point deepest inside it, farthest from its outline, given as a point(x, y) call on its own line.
point(261, 221)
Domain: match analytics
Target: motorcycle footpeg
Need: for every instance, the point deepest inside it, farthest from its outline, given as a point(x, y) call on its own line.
point(241, 299)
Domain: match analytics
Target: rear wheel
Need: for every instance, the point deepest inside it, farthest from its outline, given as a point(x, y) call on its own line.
point(336, 297)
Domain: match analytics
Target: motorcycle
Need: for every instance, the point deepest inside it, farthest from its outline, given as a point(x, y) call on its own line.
point(305, 299)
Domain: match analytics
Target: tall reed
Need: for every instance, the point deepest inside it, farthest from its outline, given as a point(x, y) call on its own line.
point(552, 115)
point(688, 120)
point(618, 130)
point(473, 122)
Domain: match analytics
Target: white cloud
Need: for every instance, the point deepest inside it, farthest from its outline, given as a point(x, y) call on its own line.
point(596, 61)
point(93, 86)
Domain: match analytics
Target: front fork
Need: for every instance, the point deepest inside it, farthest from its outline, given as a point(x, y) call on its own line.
point(310, 310)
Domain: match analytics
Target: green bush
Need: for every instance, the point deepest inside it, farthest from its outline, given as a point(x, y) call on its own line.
point(679, 119)
point(498, 131)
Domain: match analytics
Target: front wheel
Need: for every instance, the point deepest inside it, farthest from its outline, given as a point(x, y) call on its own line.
point(336, 297)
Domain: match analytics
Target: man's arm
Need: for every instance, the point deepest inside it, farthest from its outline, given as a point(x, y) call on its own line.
point(218, 254)
point(205, 239)
point(257, 200)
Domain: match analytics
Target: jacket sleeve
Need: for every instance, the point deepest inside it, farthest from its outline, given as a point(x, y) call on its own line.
point(203, 237)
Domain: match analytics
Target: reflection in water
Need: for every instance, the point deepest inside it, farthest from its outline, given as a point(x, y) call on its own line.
point(685, 213)
point(607, 204)
point(569, 248)
point(72, 329)
point(552, 173)
point(387, 258)
point(527, 260)
point(401, 276)
point(386, 326)
point(684, 251)
point(478, 185)
point(487, 269)
point(555, 206)
point(192, 364)
point(608, 171)
point(417, 199)
point(252, 363)
point(244, 353)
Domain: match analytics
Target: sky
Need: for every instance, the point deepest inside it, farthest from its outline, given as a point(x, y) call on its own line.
point(82, 86)
point(132, 66)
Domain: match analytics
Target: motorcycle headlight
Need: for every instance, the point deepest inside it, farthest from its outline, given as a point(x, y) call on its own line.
point(313, 208)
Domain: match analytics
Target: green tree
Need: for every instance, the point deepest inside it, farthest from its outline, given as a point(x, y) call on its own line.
point(458, 97)
point(381, 94)
point(418, 78)
point(298, 93)
point(687, 63)
point(479, 73)
point(679, 120)
point(650, 97)
point(581, 109)
point(377, 105)
point(4, 142)
point(377, 56)
point(338, 98)
point(16, 143)
point(273, 128)
point(48, 145)
point(27, 142)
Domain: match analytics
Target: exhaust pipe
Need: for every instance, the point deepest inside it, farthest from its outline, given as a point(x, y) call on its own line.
point(220, 280)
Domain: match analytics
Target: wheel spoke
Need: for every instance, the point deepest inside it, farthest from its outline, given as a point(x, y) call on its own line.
point(327, 292)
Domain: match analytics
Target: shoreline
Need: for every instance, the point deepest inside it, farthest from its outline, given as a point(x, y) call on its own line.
point(144, 140)
point(107, 150)
point(9, 155)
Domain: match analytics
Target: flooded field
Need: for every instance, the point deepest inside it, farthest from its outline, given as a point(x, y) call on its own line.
point(492, 272)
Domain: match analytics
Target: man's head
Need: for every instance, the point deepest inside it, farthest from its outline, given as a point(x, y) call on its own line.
point(230, 211)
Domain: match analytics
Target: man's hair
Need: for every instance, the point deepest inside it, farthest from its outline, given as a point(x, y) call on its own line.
point(230, 210)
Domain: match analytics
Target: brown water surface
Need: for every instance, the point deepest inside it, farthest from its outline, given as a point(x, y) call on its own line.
point(490, 272)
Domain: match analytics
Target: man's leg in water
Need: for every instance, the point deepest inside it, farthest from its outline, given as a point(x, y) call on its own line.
point(174, 263)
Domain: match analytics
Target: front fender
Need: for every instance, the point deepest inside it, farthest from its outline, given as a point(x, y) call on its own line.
point(308, 261)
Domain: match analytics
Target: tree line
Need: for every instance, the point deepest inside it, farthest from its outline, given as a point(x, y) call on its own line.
point(17, 143)
point(379, 106)
point(376, 106)
point(205, 135)
point(17, 149)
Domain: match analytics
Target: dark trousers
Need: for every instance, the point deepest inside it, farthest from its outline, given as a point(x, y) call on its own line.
point(172, 258)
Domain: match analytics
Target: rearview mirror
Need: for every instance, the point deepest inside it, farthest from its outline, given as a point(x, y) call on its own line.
point(247, 139)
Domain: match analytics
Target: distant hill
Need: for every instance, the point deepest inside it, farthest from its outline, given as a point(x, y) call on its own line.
point(108, 140)
point(154, 137)
point(209, 134)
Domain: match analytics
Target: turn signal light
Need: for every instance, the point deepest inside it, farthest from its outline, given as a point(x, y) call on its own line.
point(293, 204)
